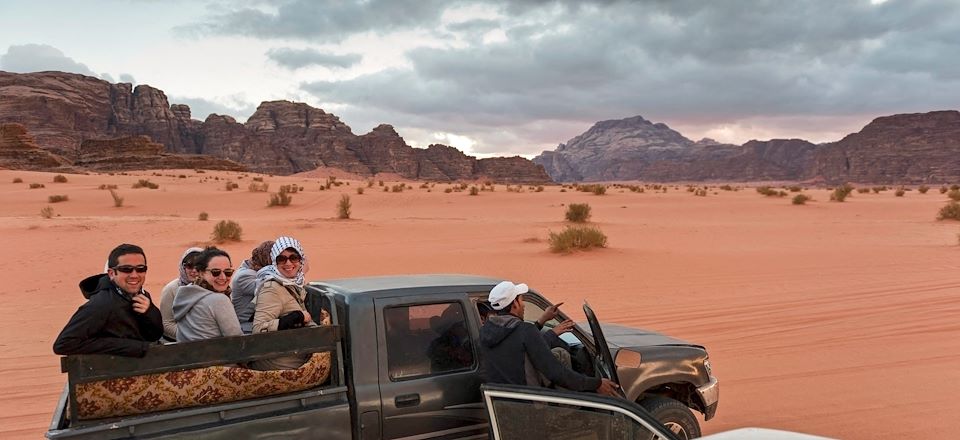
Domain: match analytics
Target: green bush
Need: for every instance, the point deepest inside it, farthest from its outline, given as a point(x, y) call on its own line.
point(144, 183)
point(117, 200)
point(800, 199)
point(949, 212)
point(577, 238)
point(60, 178)
point(578, 212)
point(58, 198)
point(343, 207)
point(258, 186)
point(841, 192)
point(46, 212)
point(227, 230)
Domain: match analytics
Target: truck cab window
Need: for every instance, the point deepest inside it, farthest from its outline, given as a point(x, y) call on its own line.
point(427, 339)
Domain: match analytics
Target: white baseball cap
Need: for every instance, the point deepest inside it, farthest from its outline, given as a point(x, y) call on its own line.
point(504, 293)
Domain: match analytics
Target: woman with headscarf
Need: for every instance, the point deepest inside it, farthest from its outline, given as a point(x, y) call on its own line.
point(243, 286)
point(187, 275)
point(203, 310)
point(281, 299)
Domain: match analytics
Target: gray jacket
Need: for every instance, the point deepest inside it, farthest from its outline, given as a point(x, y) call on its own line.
point(243, 287)
point(203, 314)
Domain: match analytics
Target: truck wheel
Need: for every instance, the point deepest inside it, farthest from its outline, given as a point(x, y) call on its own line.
point(674, 415)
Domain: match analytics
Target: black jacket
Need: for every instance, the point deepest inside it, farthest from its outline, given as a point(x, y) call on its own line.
point(107, 324)
point(506, 342)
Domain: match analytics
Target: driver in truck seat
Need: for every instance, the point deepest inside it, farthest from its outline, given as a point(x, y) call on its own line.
point(514, 352)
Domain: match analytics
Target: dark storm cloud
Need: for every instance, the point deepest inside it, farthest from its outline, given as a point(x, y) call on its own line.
point(299, 58)
point(40, 57)
point(689, 62)
point(323, 20)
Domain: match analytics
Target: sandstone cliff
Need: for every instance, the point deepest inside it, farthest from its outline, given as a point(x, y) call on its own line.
point(19, 151)
point(65, 110)
point(139, 153)
point(909, 148)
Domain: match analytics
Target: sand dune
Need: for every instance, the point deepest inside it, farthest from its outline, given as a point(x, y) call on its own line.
point(837, 319)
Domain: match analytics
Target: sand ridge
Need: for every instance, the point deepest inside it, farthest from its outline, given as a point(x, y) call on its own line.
point(836, 319)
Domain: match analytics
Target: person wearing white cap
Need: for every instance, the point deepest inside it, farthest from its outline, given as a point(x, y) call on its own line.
point(512, 351)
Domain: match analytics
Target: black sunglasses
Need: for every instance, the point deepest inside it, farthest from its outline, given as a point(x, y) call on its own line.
point(217, 272)
point(129, 269)
point(293, 259)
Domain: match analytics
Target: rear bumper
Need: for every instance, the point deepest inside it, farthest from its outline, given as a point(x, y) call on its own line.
point(710, 394)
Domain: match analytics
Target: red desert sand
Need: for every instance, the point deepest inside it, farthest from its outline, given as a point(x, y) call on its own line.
point(836, 319)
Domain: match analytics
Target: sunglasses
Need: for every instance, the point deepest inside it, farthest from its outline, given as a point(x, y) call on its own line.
point(293, 259)
point(217, 272)
point(129, 269)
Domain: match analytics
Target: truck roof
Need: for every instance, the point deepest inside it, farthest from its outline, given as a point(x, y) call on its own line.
point(424, 283)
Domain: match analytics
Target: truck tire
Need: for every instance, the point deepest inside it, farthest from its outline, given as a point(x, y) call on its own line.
point(674, 415)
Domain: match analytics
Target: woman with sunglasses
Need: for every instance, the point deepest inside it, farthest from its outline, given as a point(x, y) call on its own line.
point(169, 292)
point(203, 310)
point(281, 299)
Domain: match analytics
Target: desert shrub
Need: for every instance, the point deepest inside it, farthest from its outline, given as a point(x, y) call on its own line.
point(899, 193)
point(199, 171)
point(258, 179)
point(281, 198)
point(539, 188)
point(105, 186)
point(726, 187)
point(60, 178)
point(343, 207)
point(800, 199)
point(448, 190)
point(289, 189)
point(474, 191)
point(766, 190)
point(46, 212)
point(182, 176)
point(36, 185)
point(144, 183)
point(951, 211)
point(227, 230)
point(203, 216)
point(17, 180)
point(398, 187)
point(954, 195)
point(578, 212)
point(943, 189)
point(795, 188)
point(228, 186)
point(563, 190)
point(360, 190)
point(702, 192)
point(58, 198)
point(841, 192)
point(117, 199)
point(576, 238)
point(386, 189)
point(379, 183)
point(923, 189)
point(258, 186)
point(954, 187)
point(863, 190)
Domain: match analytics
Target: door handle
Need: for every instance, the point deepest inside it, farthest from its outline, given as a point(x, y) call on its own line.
point(407, 400)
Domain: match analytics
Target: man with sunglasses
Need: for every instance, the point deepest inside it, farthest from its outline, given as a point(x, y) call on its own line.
point(119, 317)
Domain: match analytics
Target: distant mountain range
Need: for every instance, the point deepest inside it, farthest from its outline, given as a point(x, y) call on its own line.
point(906, 148)
point(84, 120)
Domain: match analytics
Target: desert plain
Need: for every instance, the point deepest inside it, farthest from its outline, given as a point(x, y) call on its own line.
point(835, 319)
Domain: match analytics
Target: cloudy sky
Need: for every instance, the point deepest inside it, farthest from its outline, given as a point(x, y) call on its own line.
point(516, 77)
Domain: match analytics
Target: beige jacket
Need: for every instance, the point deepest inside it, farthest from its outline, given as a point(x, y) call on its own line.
point(273, 301)
point(167, 296)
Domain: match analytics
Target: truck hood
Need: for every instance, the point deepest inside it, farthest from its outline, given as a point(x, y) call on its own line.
point(619, 336)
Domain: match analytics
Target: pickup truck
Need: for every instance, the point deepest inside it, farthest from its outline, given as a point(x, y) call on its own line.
point(403, 363)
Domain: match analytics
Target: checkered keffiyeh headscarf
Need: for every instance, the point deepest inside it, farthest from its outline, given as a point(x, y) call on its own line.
point(272, 273)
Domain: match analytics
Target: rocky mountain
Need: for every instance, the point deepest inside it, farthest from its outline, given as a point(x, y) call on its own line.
point(19, 151)
point(64, 110)
point(908, 148)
